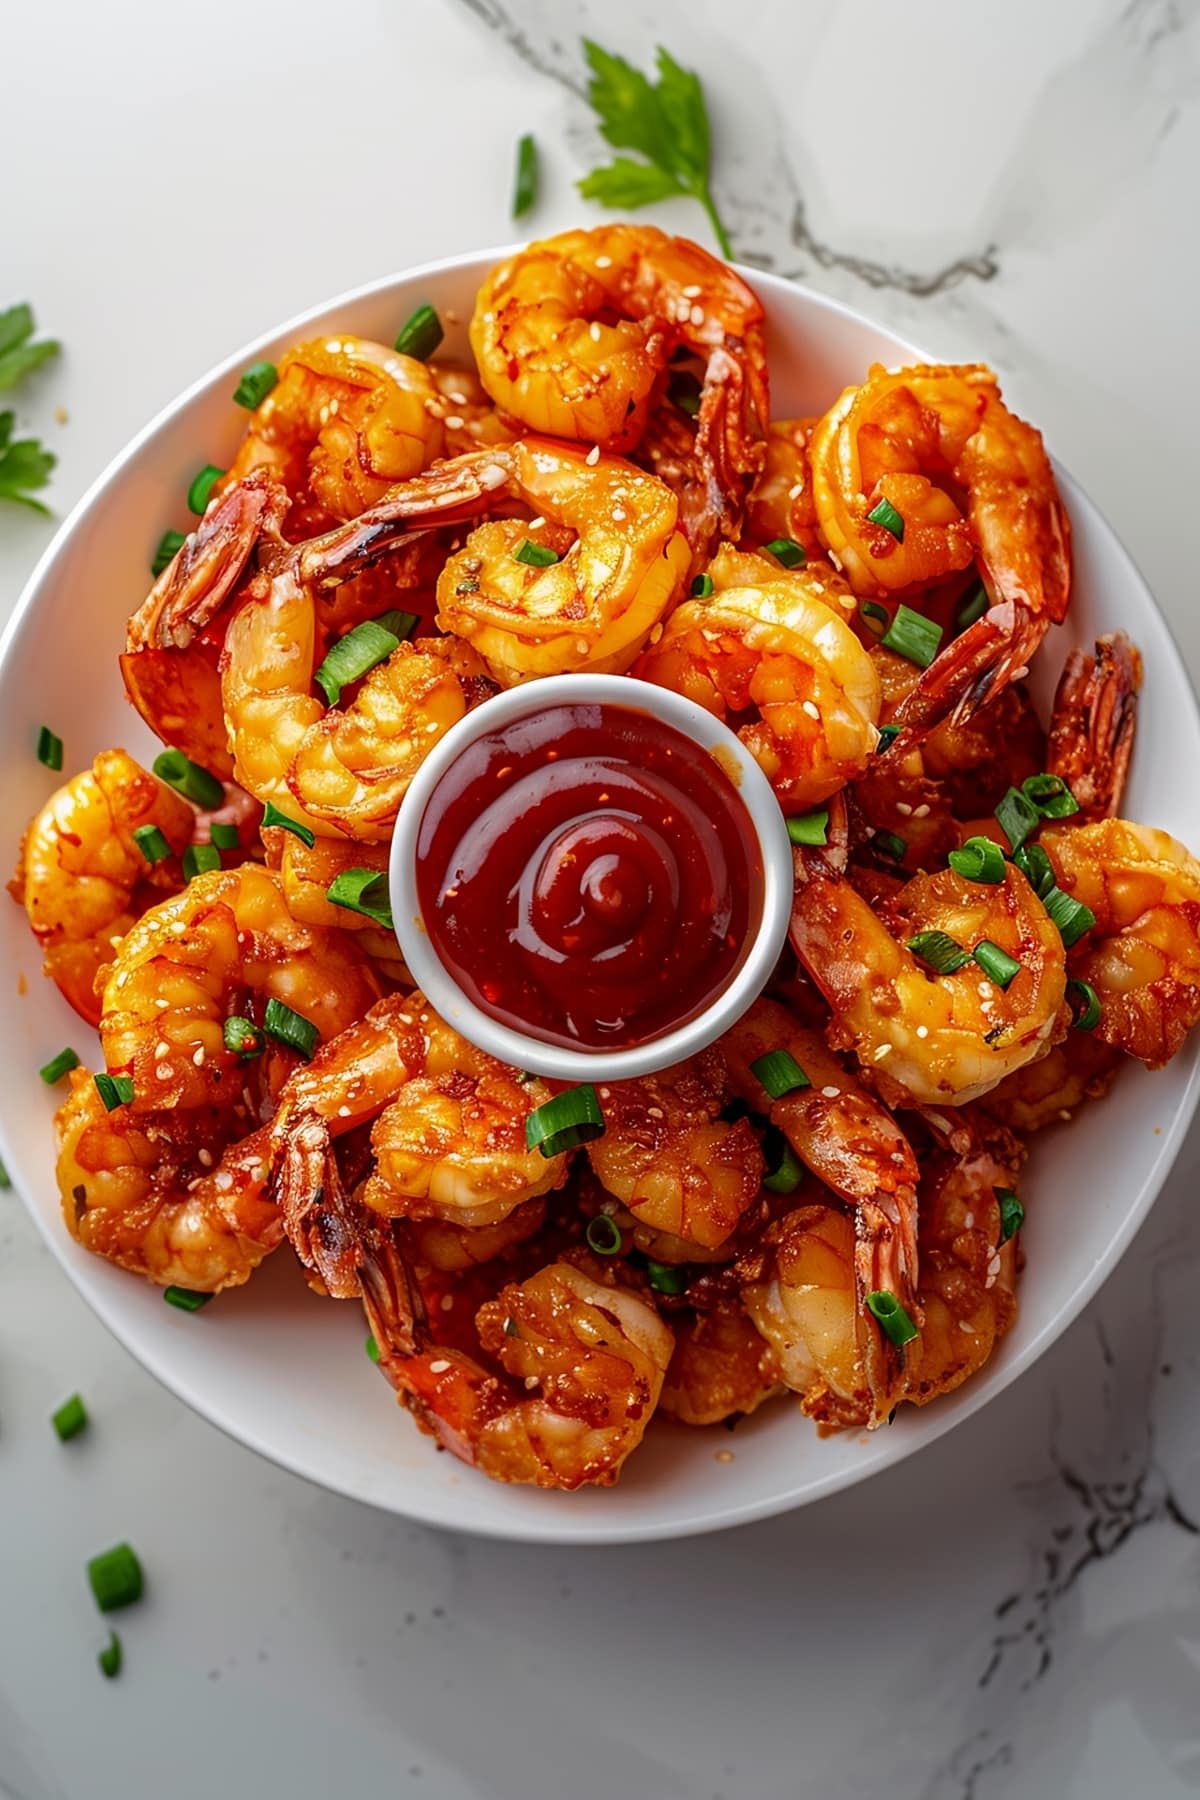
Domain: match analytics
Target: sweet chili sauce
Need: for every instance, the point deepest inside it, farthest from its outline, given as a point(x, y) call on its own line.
point(589, 875)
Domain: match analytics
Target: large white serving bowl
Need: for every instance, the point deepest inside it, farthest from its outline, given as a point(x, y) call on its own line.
point(283, 1371)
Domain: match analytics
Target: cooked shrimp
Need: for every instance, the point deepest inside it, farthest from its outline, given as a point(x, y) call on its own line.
point(1093, 723)
point(722, 1366)
point(222, 948)
point(775, 643)
point(471, 421)
point(168, 1196)
point(1053, 1089)
point(670, 1158)
point(781, 502)
point(552, 354)
point(82, 877)
point(1142, 956)
point(940, 1038)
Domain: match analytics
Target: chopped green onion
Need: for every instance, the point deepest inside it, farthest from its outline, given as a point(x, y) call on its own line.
point(913, 637)
point(243, 1037)
point(109, 1658)
point(1051, 795)
point(603, 1235)
point(189, 779)
point(201, 487)
point(890, 843)
point(114, 1090)
point(5, 1177)
point(573, 1117)
point(273, 816)
point(1071, 916)
point(884, 513)
point(786, 1177)
point(973, 607)
point(787, 551)
point(891, 1317)
point(665, 1278)
point(256, 383)
point(290, 1028)
point(779, 1072)
point(420, 334)
point(200, 859)
point(939, 950)
point(371, 1348)
point(362, 891)
point(878, 615)
point(996, 963)
point(1084, 1003)
point(116, 1578)
point(525, 186)
point(70, 1419)
point(1036, 867)
point(399, 623)
point(809, 827)
point(225, 837)
point(169, 546)
point(538, 556)
point(1017, 816)
point(58, 1066)
point(186, 1299)
point(1012, 1213)
point(685, 392)
point(978, 860)
point(152, 844)
point(50, 749)
point(702, 587)
point(353, 656)
point(887, 737)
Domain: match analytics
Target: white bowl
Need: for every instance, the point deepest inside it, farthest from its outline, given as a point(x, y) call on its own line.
point(749, 978)
point(285, 1372)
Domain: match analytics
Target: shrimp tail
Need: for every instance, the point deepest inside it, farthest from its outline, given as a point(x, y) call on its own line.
point(970, 671)
point(318, 1217)
point(731, 442)
point(1093, 724)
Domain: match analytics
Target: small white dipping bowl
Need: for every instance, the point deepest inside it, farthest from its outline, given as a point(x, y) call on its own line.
point(759, 955)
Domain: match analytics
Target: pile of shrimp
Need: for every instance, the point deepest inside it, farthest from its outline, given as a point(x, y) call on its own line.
point(860, 596)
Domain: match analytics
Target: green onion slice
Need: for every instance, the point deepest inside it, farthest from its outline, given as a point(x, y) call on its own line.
point(256, 383)
point(109, 1658)
point(780, 1073)
point(884, 513)
point(878, 615)
point(996, 963)
point(290, 1028)
point(152, 844)
point(891, 1317)
point(786, 1177)
point(70, 1418)
point(525, 186)
point(1071, 916)
point(116, 1578)
point(702, 587)
point(787, 551)
point(169, 546)
point(362, 891)
point(273, 816)
point(570, 1118)
point(1051, 796)
point(399, 623)
point(890, 844)
point(243, 1037)
point(887, 737)
point(665, 1278)
point(200, 859)
point(186, 1299)
point(201, 487)
point(913, 637)
point(1036, 867)
point(353, 656)
point(420, 334)
point(939, 951)
point(114, 1090)
point(810, 827)
point(371, 1348)
point(50, 748)
point(973, 607)
point(225, 837)
point(684, 391)
point(603, 1235)
point(978, 860)
point(1012, 1213)
point(5, 1177)
point(1018, 817)
point(538, 556)
point(189, 779)
point(1085, 1005)
point(58, 1066)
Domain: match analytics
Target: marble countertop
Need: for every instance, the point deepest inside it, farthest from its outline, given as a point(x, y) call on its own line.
point(1014, 1614)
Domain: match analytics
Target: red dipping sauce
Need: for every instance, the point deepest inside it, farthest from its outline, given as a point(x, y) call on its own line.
point(589, 876)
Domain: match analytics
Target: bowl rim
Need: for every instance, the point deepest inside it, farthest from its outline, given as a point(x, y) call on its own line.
point(593, 1529)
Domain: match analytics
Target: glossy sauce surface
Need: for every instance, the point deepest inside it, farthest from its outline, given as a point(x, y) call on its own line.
point(589, 875)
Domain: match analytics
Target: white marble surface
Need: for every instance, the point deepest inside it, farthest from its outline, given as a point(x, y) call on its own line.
point(1014, 1615)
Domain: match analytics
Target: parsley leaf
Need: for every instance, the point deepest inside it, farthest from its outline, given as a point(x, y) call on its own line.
point(18, 356)
point(666, 121)
point(23, 465)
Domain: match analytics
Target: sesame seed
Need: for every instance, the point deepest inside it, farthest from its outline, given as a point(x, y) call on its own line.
point(794, 493)
point(594, 332)
point(811, 709)
point(454, 423)
point(593, 456)
point(333, 346)
point(922, 811)
point(605, 1093)
point(883, 1050)
point(902, 806)
point(604, 262)
point(655, 1112)
point(969, 1329)
point(198, 1056)
point(343, 1112)
point(986, 990)
point(693, 293)
point(531, 1381)
point(162, 1005)
point(161, 1049)
point(536, 524)
point(831, 1093)
point(223, 1179)
point(205, 1158)
point(969, 1220)
point(922, 1031)
point(439, 1367)
point(836, 560)
point(697, 315)
point(447, 1302)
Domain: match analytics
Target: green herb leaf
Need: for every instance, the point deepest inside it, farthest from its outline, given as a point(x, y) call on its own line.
point(19, 356)
point(623, 183)
point(24, 465)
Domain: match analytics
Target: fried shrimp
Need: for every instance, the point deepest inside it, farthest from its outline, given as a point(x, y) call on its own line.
point(781, 502)
point(775, 644)
point(1093, 722)
point(82, 876)
point(722, 1365)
